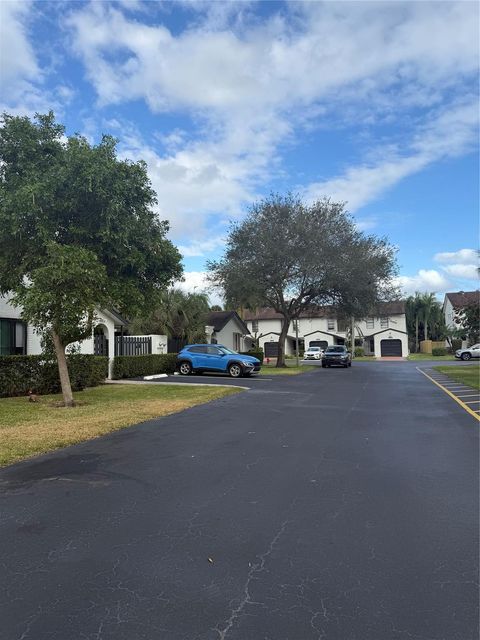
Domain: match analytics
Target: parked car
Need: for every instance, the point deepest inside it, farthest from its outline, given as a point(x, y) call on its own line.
point(468, 353)
point(197, 358)
point(313, 353)
point(337, 354)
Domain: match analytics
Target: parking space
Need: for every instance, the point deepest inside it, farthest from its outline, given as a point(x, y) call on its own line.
point(467, 397)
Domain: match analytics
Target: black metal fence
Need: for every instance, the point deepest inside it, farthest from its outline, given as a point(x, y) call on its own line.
point(100, 345)
point(133, 345)
point(174, 345)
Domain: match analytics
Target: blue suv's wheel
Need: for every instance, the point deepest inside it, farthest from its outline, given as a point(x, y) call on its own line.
point(185, 368)
point(235, 370)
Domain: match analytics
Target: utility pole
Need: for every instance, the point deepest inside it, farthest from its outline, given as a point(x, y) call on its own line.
point(353, 337)
point(296, 341)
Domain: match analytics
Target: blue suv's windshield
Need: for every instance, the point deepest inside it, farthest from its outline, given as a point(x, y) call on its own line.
point(225, 350)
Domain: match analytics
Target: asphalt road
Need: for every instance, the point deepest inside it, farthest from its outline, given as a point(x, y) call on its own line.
point(338, 505)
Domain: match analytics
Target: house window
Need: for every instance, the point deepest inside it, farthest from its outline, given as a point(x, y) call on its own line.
point(384, 322)
point(342, 325)
point(330, 324)
point(255, 326)
point(237, 340)
point(13, 337)
point(370, 323)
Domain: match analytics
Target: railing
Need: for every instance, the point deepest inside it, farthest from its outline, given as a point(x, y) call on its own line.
point(133, 345)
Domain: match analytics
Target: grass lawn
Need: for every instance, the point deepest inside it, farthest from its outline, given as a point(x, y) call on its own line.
point(428, 356)
point(27, 429)
point(290, 370)
point(467, 374)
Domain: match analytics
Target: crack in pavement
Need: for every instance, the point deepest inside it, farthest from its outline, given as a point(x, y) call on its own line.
point(255, 570)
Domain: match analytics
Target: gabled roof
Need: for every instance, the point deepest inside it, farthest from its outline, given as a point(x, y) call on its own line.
point(383, 309)
point(219, 319)
point(462, 299)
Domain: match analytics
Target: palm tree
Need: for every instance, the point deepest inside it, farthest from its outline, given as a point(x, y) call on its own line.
point(413, 309)
point(428, 309)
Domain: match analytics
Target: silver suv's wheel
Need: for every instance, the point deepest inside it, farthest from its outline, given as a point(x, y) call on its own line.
point(466, 356)
point(235, 370)
point(185, 368)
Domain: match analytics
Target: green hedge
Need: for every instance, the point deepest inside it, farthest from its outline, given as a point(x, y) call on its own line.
point(439, 351)
point(359, 352)
point(134, 366)
point(256, 353)
point(19, 374)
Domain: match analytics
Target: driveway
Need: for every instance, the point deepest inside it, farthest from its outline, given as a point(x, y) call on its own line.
point(341, 504)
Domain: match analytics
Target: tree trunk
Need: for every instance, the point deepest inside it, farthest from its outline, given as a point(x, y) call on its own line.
point(426, 328)
point(416, 334)
point(281, 342)
point(63, 371)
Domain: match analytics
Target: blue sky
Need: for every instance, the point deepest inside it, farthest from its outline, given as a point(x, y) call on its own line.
point(371, 103)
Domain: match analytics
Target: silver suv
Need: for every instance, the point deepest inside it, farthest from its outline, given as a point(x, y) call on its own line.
point(468, 354)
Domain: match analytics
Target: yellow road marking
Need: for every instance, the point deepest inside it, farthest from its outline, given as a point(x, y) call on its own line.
point(454, 397)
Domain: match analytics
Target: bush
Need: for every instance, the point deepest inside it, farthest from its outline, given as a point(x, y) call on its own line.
point(359, 352)
point(19, 374)
point(256, 353)
point(439, 351)
point(134, 366)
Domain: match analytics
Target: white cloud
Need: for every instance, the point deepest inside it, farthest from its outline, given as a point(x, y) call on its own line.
point(17, 58)
point(202, 247)
point(462, 256)
point(426, 280)
point(248, 85)
point(464, 271)
point(196, 282)
point(451, 133)
point(462, 264)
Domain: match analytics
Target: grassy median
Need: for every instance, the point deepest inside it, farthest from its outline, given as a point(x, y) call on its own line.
point(429, 356)
point(289, 370)
point(466, 374)
point(27, 429)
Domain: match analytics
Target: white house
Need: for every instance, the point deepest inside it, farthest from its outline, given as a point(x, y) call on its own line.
point(227, 328)
point(19, 338)
point(453, 304)
point(384, 333)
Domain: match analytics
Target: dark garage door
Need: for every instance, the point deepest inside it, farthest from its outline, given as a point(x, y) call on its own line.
point(318, 343)
point(271, 349)
point(391, 347)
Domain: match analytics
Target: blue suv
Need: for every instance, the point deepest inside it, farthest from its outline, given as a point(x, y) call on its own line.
point(215, 357)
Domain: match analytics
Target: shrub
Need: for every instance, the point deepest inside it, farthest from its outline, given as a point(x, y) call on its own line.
point(19, 374)
point(439, 351)
point(134, 366)
point(359, 352)
point(256, 353)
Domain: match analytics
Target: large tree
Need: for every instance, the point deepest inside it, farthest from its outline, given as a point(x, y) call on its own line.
point(292, 256)
point(468, 317)
point(78, 232)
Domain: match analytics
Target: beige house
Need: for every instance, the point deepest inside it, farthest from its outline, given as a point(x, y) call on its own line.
point(382, 334)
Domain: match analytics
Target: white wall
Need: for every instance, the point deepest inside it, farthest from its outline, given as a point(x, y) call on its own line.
point(391, 335)
point(225, 336)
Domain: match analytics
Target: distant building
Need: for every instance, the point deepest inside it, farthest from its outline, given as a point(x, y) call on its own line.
point(227, 328)
point(454, 303)
point(384, 333)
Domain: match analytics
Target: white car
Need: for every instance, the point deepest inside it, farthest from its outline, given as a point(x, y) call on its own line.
point(469, 353)
point(313, 353)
